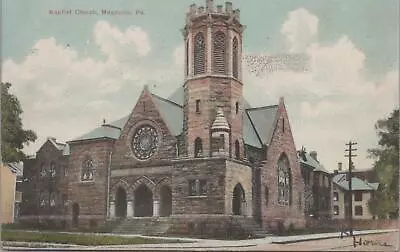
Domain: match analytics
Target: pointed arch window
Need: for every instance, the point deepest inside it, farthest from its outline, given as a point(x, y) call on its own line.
point(284, 181)
point(87, 171)
point(199, 54)
point(235, 56)
point(198, 147)
point(219, 55)
point(237, 149)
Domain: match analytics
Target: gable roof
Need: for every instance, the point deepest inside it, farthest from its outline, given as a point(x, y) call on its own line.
point(263, 119)
point(104, 131)
point(305, 158)
point(172, 113)
point(16, 168)
point(258, 123)
point(356, 183)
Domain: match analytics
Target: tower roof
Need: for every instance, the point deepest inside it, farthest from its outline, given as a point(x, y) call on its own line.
point(220, 122)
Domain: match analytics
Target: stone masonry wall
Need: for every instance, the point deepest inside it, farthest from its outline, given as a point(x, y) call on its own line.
point(90, 195)
point(145, 112)
point(282, 142)
point(210, 169)
point(238, 172)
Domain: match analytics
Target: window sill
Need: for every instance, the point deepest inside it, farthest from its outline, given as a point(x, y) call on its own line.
point(197, 196)
point(86, 181)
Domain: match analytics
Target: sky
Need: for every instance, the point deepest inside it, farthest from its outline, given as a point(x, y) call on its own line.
point(70, 71)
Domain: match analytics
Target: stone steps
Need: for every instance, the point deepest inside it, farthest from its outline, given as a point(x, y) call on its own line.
point(250, 225)
point(144, 226)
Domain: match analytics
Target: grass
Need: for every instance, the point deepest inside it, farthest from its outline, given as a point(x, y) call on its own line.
point(78, 239)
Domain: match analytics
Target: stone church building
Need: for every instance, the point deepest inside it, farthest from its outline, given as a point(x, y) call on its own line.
point(199, 158)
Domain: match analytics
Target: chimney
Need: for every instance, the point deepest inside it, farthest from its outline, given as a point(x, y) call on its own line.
point(209, 5)
point(228, 7)
point(340, 166)
point(313, 154)
point(219, 8)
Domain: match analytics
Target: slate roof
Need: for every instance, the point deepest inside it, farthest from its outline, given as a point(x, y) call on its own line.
point(307, 159)
point(16, 168)
point(172, 113)
point(356, 183)
point(258, 123)
point(263, 120)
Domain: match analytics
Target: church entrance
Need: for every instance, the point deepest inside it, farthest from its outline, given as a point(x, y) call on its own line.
point(120, 203)
point(75, 214)
point(143, 201)
point(165, 201)
point(237, 199)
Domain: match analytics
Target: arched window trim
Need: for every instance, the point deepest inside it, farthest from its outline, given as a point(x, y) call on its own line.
point(237, 149)
point(187, 57)
point(219, 53)
point(87, 170)
point(235, 57)
point(284, 181)
point(199, 59)
point(198, 147)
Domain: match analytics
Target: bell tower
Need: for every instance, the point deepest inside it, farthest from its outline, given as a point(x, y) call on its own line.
point(213, 77)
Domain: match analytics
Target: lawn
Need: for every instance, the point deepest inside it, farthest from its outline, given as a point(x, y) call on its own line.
point(78, 239)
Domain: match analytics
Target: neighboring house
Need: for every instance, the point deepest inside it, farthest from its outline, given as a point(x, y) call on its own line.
point(362, 192)
point(318, 185)
point(45, 183)
point(11, 195)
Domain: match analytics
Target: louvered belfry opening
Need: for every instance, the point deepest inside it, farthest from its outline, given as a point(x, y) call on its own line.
point(235, 54)
point(199, 54)
point(219, 56)
point(187, 58)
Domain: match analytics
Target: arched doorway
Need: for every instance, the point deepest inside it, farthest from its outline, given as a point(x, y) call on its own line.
point(237, 199)
point(143, 201)
point(165, 201)
point(75, 214)
point(120, 203)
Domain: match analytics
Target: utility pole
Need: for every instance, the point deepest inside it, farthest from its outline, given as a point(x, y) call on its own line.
point(350, 154)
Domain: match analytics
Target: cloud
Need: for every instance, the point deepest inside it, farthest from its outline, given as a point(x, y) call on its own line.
point(300, 29)
point(115, 43)
point(334, 101)
point(65, 94)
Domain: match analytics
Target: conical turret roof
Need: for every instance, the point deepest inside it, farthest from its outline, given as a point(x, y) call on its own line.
point(220, 122)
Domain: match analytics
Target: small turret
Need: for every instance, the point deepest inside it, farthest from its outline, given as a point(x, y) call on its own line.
point(220, 135)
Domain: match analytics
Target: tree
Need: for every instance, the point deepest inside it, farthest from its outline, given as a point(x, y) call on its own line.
point(13, 136)
point(386, 167)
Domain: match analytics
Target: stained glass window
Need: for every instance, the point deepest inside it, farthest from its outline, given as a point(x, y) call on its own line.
point(145, 142)
point(87, 170)
point(284, 181)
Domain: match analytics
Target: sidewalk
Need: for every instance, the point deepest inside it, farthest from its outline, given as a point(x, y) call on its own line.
point(208, 244)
